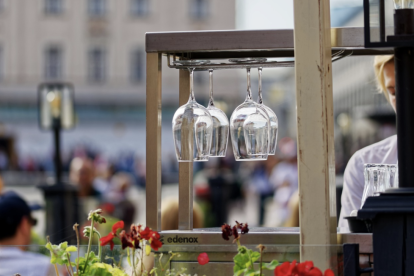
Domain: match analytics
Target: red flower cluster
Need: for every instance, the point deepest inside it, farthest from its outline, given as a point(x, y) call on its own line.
point(228, 231)
point(109, 238)
point(133, 238)
point(203, 259)
point(301, 269)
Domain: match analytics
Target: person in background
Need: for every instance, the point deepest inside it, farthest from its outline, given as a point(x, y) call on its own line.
point(82, 174)
point(169, 215)
point(284, 179)
point(15, 227)
point(383, 152)
point(260, 184)
point(116, 195)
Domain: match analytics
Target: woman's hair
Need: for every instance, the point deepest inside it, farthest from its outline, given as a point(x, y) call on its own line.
point(169, 215)
point(379, 63)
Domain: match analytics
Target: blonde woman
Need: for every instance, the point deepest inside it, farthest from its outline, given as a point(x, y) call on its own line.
point(384, 152)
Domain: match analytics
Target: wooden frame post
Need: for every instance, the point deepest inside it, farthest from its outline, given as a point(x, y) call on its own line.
point(185, 181)
point(153, 140)
point(315, 131)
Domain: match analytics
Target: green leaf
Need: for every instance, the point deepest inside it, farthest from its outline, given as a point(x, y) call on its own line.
point(71, 249)
point(102, 269)
point(270, 266)
point(254, 255)
point(58, 253)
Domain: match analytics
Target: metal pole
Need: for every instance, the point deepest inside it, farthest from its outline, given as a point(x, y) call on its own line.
point(153, 141)
point(404, 87)
point(58, 160)
point(404, 81)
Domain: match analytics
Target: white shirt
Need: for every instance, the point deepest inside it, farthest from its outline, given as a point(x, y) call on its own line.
point(13, 260)
point(383, 152)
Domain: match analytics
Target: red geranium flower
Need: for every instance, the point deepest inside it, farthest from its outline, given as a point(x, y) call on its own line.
point(126, 240)
point(235, 233)
point(226, 229)
point(285, 269)
point(301, 269)
point(203, 259)
point(146, 233)
point(108, 238)
point(154, 240)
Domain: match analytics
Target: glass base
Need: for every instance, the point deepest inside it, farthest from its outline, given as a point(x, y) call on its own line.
point(251, 158)
point(199, 159)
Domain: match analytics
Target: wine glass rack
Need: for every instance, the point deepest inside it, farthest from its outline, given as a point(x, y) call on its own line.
point(218, 47)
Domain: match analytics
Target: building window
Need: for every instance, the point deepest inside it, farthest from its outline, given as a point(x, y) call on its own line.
point(97, 7)
point(53, 6)
point(137, 65)
point(139, 7)
point(199, 9)
point(53, 63)
point(97, 60)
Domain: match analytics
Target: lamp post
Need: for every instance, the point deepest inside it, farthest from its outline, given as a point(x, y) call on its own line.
point(56, 112)
point(392, 213)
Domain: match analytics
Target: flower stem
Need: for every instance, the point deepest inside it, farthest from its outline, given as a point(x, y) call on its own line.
point(134, 272)
point(57, 271)
point(70, 265)
point(89, 245)
point(99, 251)
point(142, 259)
point(75, 227)
point(67, 268)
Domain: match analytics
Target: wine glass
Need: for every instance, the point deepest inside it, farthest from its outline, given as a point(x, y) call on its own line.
point(249, 129)
point(220, 125)
point(274, 123)
point(192, 125)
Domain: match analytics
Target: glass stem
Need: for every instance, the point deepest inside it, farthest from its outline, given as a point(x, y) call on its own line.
point(211, 102)
point(249, 90)
point(192, 98)
point(260, 98)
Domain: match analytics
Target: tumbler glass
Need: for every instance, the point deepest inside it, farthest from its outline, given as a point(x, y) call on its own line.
point(377, 179)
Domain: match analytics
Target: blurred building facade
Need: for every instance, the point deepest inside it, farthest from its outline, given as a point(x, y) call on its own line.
point(98, 45)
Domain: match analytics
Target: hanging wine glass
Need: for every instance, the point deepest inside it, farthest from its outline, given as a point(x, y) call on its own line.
point(192, 125)
point(220, 125)
point(274, 123)
point(249, 129)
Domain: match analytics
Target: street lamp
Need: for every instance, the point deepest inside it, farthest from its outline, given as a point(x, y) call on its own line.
point(56, 112)
point(392, 213)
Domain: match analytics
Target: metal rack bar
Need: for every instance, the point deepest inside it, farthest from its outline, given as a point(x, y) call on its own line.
point(249, 43)
point(268, 64)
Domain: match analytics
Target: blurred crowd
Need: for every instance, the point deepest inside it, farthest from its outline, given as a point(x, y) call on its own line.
point(267, 190)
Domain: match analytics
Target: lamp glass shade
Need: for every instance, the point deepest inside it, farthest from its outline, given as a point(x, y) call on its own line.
point(403, 4)
point(56, 103)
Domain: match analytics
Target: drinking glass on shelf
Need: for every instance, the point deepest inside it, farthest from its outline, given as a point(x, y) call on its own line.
point(393, 171)
point(274, 123)
point(192, 125)
point(377, 179)
point(249, 129)
point(220, 125)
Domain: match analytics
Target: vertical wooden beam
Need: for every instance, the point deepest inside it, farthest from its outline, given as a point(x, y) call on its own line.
point(153, 141)
point(185, 181)
point(316, 159)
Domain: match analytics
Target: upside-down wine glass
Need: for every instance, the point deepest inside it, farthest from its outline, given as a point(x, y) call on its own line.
point(192, 126)
point(274, 123)
point(249, 129)
point(220, 125)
